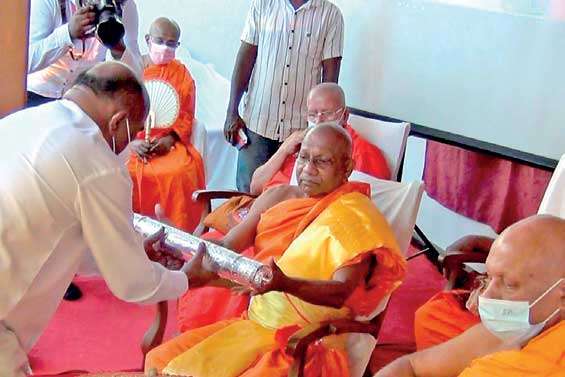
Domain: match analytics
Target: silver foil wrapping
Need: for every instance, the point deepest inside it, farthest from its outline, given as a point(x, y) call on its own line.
point(228, 264)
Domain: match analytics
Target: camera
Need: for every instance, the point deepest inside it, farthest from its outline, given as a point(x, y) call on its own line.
point(109, 26)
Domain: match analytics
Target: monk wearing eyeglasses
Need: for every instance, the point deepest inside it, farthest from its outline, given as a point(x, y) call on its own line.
point(336, 258)
point(165, 167)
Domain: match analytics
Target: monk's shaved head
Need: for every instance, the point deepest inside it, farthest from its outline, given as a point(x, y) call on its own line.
point(165, 28)
point(336, 137)
point(329, 92)
point(526, 260)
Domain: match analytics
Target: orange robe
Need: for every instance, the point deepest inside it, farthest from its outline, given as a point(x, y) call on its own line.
point(255, 346)
point(543, 356)
point(441, 318)
point(170, 179)
point(276, 230)
point(367, 157)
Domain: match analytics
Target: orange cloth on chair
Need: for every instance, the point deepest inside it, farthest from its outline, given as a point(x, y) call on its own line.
point(543, 356)
point(276, 230)
point(442, 318)
point(367, 157)
point(172, 178)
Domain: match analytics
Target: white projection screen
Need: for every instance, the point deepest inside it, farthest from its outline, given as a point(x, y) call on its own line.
point(491, 70)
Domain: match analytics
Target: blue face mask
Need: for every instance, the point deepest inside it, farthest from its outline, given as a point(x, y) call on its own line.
point(510, 320)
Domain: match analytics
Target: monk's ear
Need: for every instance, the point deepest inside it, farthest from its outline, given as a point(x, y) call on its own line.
point(348, 167)
point(345, 116)
point(147, 39)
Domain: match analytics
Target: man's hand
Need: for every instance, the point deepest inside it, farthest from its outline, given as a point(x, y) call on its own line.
point(200, 269)
point(142, 149)
point(158, 252)
point(232, 125)
point(277, 283)
point(163, 145)
point(81, 24)
point(292, 143)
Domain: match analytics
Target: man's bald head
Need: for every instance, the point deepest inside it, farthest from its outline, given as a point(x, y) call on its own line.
point(166, 29)
point(117, 82)
point(325, 160)
point(527, 259)
point(112, 95)
point(326, 103)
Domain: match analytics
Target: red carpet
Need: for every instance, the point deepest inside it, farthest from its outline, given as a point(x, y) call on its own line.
point(101, 333)
point(96, 333)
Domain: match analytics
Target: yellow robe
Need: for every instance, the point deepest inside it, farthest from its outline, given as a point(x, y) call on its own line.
point(543, 356)
point(347, 230)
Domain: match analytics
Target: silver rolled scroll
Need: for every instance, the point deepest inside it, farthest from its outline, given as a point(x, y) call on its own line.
point(227, 264)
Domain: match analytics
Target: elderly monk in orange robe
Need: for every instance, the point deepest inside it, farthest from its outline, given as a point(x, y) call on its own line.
point(326, 105)
point(450, 313)
point(168, 168)
point(336, 257)
point(522, 332)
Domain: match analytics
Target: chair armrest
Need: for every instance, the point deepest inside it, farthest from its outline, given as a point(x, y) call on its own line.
point(154, 335)
point(208, 195)
point(453, 265)
point(299, 342)
point(205, 197)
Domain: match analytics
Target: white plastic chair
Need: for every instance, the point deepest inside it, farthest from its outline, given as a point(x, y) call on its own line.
point(399, 204)
point(390, 137)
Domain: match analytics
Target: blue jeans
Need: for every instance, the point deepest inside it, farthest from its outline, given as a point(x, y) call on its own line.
point(257, 151)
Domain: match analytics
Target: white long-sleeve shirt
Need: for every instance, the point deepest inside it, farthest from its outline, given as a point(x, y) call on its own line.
point(553, 202)
point(64, 192)
point(51, 70)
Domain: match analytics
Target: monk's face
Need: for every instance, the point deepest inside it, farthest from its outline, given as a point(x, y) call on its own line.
point(325, 106)
point(520, 269)
point(322, 164)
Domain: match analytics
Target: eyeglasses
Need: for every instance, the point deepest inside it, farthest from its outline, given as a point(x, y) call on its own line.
point(318, 162)
point(161, 41)
point(314, 115)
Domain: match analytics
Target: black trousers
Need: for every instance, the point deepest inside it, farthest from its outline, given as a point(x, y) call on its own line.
point(34, 99)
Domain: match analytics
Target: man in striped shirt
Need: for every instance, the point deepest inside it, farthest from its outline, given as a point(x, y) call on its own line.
point(287, 48)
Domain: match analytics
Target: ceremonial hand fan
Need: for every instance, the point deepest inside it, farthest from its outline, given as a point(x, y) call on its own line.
point(165, 104)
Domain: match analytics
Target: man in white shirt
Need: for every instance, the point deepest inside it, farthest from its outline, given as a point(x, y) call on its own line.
point(64, 192)
point(62, 45)
point(287, 48)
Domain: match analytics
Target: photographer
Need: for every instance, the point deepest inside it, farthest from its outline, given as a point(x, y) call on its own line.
point(63, 44)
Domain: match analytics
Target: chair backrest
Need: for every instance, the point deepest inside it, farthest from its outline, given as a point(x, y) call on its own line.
point(390, 137)
point(399, 203)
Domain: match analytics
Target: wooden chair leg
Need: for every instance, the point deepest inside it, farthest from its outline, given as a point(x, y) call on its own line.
point(154, 335)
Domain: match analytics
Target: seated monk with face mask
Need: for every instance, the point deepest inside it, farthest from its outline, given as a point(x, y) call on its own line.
point(522, 332)
point(336, 258)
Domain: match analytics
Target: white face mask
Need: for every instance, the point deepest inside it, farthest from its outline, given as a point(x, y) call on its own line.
point(510, 320)
point(335, 123)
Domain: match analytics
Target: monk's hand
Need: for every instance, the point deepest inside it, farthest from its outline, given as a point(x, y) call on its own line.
point(291, 145)
point(232, 126)
point(277, 283)
point(157, 251)
point(142, 149)
point(200, 270)
point(242, 290)
point(163, 145)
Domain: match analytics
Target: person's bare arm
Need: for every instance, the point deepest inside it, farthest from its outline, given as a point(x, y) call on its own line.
point(330, 69)
point(472, 243)
point(333, 293)
point(244, 64)
point(242, 236)
point(448, 359)
point(265, 172)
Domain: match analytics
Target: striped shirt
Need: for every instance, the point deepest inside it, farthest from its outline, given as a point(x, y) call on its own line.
point(291, 47)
